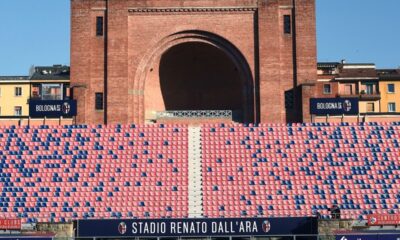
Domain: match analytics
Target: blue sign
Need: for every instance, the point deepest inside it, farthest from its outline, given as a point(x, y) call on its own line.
point(52, 109)
point(333, 106)
point(368, 236)
point(196, 227)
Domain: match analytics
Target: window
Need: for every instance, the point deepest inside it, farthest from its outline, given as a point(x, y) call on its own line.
point(369, 89)
point(67, 92)
point(18, 91)
point(99, 101)
point(52, 92)
point(348, 89)
point(327, 89)
point(18, 111)
point(287, 28)
point(289, 99)
point(391, 107)
point(35, 91)
point(99, 26)
point(390, 87)
point(370, 107)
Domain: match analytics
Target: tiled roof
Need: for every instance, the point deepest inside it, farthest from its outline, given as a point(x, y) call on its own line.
point(358, 73)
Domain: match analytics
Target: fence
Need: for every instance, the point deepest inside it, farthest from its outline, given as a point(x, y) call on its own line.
point(206, 114)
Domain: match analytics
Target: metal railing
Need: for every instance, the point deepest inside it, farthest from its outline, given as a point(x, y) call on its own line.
point(207, 114)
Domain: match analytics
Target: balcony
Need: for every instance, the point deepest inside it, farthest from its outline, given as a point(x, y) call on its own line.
point(362, 96)
point(374, 96)
point(347, 95)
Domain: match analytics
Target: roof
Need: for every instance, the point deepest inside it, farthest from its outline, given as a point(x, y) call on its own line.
point(8, 78)
point(327, 64)
point(55, 72)
point(359, 64)
point(390, 77)
point(358, 73)
point(388, 71)
point(389, 74)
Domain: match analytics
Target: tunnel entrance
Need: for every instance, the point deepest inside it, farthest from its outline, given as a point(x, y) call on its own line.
point(199, 76)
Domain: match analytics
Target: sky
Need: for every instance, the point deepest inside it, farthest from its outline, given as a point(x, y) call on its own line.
point(359, 31)
point(37, 32)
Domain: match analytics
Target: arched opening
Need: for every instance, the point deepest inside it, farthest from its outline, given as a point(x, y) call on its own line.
point(200, 76)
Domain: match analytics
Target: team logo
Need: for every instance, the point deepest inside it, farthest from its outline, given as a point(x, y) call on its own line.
point(66, 108)
point(347, 105)
point(343, 238)
point(122, 228)
point(266, 226)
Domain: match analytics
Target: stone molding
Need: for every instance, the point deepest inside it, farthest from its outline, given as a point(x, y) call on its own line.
point(177, 10)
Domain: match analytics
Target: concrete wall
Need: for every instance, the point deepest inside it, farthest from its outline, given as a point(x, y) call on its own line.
point(327, 228)
point(355, 119)
point(34, 122)
point(62, 231)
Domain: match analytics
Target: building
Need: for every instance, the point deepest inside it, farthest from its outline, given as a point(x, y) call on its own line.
point(134, 59)
point(374, 89)
point(14, 95)
point(359, 81)
point(42, 84)
point(389, 85)
point(50, 83)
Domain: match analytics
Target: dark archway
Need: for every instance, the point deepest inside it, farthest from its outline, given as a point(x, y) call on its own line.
point(200, 76)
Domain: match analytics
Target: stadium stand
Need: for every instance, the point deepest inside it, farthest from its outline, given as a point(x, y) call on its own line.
point(301, 170)
point(55, 174)
point(62, 173)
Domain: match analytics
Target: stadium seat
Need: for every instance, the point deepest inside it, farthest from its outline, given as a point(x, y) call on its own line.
point(303, 168)
point(58, 174)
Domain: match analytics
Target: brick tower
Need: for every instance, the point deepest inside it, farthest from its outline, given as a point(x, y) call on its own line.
point(133, 58)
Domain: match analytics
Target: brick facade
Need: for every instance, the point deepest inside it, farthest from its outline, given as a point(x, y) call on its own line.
point(124, 63)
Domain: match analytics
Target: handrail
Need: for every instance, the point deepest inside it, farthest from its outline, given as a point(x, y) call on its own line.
point(196, 114)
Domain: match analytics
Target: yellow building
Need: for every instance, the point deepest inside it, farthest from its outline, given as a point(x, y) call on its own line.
point(43, 83)
point(390, 94)
point(14, 96)
point(378, 90)
point(369, 106)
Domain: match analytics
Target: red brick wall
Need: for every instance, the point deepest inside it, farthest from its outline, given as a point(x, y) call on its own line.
point(319, 90)
point(136, 41)
point(87, 58)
